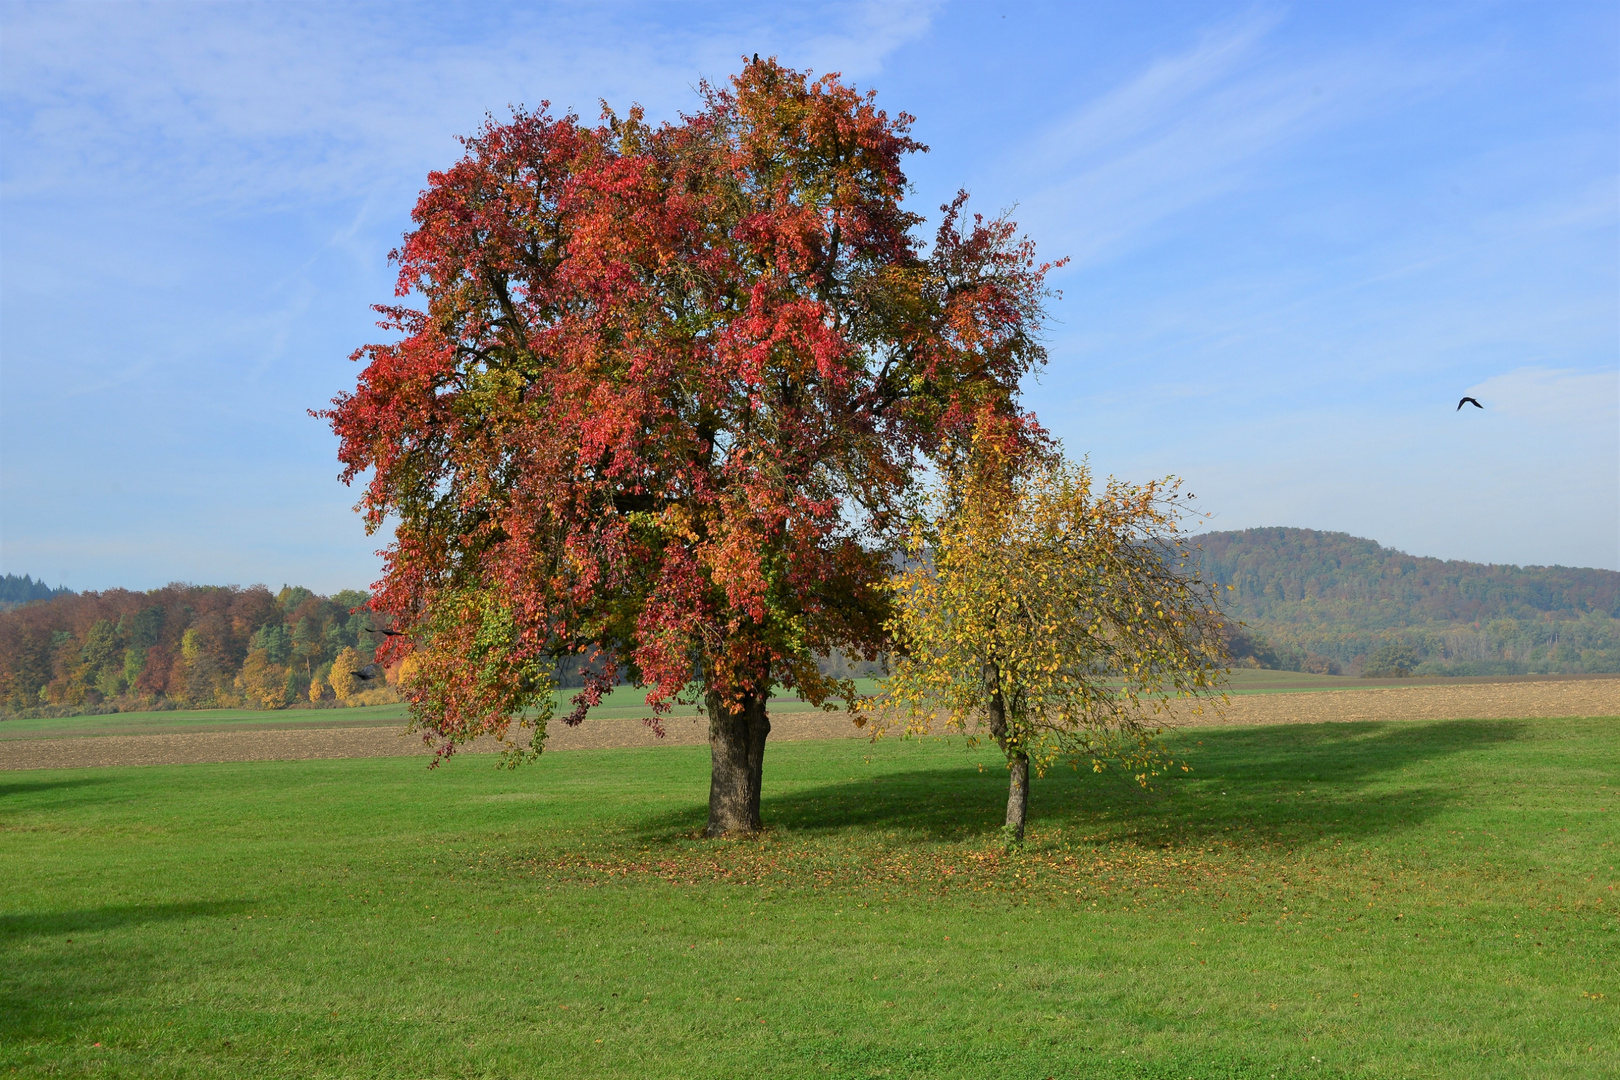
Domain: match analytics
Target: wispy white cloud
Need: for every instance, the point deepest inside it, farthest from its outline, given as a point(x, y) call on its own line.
point(1193, 127)
point(859, 37)
point(241, 105)
point(1558, 400)
point(1167, 86)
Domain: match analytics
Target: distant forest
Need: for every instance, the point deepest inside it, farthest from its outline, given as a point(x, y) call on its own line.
point(16, 591)
point(1331, 602)
point(194, 647)
point(189, 647)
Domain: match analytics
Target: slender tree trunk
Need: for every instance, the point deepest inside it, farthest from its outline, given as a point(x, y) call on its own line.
point(1017, 795)
point(737, 757)
point(997, 703)
point(1017, 760)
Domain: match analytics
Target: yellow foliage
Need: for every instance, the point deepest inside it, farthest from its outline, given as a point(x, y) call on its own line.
point(263, 684)
point(1060, 618)
point(344, 682)
point(191, 645)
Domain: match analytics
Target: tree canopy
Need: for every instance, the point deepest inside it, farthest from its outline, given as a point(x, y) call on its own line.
point(664, 393)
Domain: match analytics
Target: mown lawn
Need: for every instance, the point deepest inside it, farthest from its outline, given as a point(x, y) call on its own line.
point(1366, 900)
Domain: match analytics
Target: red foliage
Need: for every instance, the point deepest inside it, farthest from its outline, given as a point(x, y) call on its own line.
point(666, 394)
point(41, 643)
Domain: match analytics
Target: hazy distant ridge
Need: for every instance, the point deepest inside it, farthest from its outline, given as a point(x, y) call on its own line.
point(1345, 597)
point(15, 591)
point(1276, 571)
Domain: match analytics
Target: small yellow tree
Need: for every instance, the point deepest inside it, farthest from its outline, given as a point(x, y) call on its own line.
point(1061, 619)
point(343, 681)
point(262, 682)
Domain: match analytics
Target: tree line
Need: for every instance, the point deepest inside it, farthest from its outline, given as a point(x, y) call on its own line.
point(189, 647)
point(16, 591)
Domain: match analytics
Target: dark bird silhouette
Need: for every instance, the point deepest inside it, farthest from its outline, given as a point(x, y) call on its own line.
point(1469, 401)
point(390, 633)
point(756, 58)
point(366, 673)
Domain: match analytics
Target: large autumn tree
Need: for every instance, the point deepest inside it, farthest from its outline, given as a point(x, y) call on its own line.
point(659, 396)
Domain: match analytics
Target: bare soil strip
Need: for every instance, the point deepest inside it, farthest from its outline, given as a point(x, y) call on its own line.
point(1490, 701)
point(1476, 701)
point(1260, 681)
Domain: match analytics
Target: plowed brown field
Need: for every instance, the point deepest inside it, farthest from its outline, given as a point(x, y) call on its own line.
point(1487, 701)
point(1473, 701)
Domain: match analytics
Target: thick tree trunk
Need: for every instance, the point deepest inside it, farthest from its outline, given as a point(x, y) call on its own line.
point(1017, 796)
point(737, 759)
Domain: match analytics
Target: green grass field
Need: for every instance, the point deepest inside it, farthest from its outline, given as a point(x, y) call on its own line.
point(1346, 900)
point(167, 720)
point(624, 702)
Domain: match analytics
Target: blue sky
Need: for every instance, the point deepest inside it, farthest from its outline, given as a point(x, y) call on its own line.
point(1298, 235)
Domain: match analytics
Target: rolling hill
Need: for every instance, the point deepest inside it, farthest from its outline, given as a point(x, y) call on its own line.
point(1318, 600)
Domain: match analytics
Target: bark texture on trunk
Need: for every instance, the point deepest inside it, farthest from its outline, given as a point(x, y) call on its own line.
point(1017, 795)
point(737, 760)
point(997, 704)
point(1017, 760)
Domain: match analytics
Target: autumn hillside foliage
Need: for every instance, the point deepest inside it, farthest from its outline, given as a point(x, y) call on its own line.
point(1332, 603)
point(182, 646)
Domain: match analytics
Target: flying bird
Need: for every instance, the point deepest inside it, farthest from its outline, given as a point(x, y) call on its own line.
point(1468, 401)
point(390, 633)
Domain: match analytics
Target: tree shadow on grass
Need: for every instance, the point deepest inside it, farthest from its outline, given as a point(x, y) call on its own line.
point(52, 987)
point(1243, 787)
point(13, 788)
point(93, 920)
